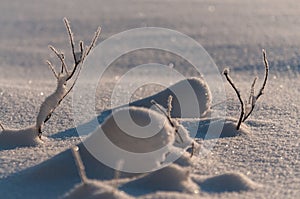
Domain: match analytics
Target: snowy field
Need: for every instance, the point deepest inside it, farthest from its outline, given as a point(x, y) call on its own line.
point(262, 163)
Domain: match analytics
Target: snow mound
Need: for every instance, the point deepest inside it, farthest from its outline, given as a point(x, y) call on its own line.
point(170, 178)
point(199, 89)
point(61, 171)
point(183, 138)
point(229, 182)
point(137, 129)
point(171, 195)
point(62, 167)
point(184, 160)
point(12, 138)
point(228, 129)
point(93, 189)
point(57, 175)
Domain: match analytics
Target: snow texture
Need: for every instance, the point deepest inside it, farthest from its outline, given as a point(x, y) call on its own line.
point(199, 89)
point(228, 182)
point(261, 161)
point(12, 138)
point(132, 131)
point(95, 190)
point(170, 178)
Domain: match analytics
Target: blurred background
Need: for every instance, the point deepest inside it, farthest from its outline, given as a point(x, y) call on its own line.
point(233, 32)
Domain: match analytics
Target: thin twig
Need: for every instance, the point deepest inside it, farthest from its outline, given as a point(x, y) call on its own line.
point(252, 100)
point(251, 96)
point(169, 118)
point(76, 63)
point(61, 58)
point(219, 103)
point(66, 76)
point(79, 164)
point(81, 47)
point(261, 90)
point(193, 150)
point(71, 37)
point(117, 174)
point(69, 90)
point(79, 70)
point(2, 127)
point(169, 110)
point(83, 52)
point(96, 36)
point(52, 68)
point(161, 109)
point(226, 74)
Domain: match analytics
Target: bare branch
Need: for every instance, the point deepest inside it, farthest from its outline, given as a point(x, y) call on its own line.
point(169, 118)
point(61, 57)
point(71, 37)
point(52, 68)
point(83, 52)
point(170, 99)
point(193, 150)
point(2, 127)
point(117, 174)
point(72, 43)
point(53, 101)
point(96, 36)
point(252, 100)
point(79, 164)
point(161, 109)
point(81, 47)
point(261, 91)
point(61, 99)
point(251, 96)
point(226, 74)
point(219, 103)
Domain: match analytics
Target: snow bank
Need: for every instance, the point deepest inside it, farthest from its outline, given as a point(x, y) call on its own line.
point(93, 189)
point(199, 89)
point(229, 182)
point(137, 129)
point(170, 178)
point(11, 138)
point(60, 170)
point(185, 160)
point(56, 176)
point(201, 126)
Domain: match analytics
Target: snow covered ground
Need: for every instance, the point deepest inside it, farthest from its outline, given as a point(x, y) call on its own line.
point(264, 163)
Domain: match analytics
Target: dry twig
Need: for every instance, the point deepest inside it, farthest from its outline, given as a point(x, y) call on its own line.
point(79, 164)
point(261, 90)
point(167, 115)
point(226, 73)
point(2, 127)
point(63, 76)
point(246, 112)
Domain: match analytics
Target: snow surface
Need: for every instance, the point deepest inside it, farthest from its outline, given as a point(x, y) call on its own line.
point(95, 190)
point(13, 138)
point(263, 162)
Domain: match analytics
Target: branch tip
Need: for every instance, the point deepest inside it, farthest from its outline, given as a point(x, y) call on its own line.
point(79, 164)
point(2, 127)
